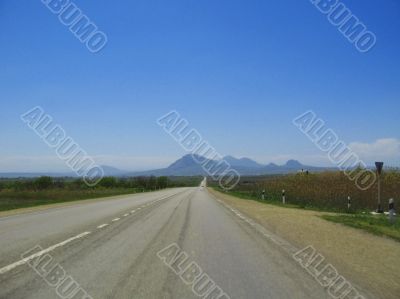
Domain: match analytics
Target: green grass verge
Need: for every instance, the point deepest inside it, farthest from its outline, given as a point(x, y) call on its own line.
point(10, 200)
point(378, 225)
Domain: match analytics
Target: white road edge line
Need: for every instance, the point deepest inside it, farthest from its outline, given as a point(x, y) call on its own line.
point(285, 245)
point(40, 253)
point(115, 219)
point(127, 214)
point(103, 225)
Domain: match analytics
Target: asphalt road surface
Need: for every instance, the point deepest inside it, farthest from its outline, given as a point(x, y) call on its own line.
point(108, 249)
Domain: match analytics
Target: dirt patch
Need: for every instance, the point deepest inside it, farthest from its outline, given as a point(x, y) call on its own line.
point(371, 262)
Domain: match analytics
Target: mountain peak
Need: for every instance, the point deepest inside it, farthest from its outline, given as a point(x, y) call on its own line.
point(188, 160)
point(112, 171)
point(242, 162)
point(294, 164)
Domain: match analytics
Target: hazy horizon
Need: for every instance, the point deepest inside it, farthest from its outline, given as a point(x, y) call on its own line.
point(147, 163)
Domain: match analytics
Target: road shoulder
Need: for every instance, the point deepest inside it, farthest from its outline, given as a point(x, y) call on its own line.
point(371, 262)
point(40, 208)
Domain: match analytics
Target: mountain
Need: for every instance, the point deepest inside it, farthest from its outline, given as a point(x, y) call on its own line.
point(108, 171)
point(112, 171)
point(15, 175)
point(293, 164)
point(242, 162)
point(187, 161)
point(189, 165)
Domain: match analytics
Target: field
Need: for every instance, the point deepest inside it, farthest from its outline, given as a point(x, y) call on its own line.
point(23, 193)
point(326, 191)
point(322, 191)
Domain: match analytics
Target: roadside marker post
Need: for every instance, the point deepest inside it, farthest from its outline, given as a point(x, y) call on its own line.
point(348, 203)
point(283, 197)
point(263, 195)
point(391, 211)
point(379, 166)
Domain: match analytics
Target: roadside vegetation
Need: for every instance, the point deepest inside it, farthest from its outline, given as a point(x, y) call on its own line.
point(328, 192)
point(22, 193)
point(376, 224)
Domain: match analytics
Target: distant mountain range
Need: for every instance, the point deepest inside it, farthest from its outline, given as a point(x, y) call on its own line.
point(188, 166)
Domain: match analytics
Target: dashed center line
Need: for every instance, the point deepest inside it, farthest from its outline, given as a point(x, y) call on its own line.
point(103, 225)
point(40, 253)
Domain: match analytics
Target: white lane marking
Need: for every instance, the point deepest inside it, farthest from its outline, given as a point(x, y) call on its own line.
point(40, 253)
point(127, 214)
point(149, 204)
point(115, 219)
point(102, 225)
point(282, 243)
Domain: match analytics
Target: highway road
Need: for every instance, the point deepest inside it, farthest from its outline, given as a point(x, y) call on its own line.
point(114, 249)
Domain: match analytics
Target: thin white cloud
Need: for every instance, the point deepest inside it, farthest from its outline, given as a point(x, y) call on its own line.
point(385, 149)
point(54, 164)
point(134, 162)
point(31, 164)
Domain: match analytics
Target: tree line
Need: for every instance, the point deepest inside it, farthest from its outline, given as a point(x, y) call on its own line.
point(141, 182)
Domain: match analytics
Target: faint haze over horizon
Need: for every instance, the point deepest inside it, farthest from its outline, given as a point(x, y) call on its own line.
point(238, 71)
point(140, 163)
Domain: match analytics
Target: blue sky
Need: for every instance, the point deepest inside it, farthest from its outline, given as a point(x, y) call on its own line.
point(239, 71)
